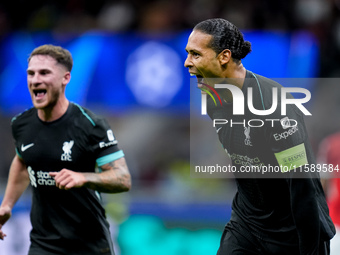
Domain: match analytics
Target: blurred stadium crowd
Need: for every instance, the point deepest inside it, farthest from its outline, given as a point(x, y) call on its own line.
point(321, 17)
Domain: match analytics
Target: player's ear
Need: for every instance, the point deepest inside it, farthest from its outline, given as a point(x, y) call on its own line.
point(66, 78)
point(224, 56)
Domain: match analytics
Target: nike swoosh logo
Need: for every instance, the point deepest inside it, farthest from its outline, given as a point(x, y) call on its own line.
point(218, 130)
point(23, 148)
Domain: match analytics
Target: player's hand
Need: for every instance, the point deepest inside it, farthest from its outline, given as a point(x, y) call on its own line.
point(67, 179)
point(5, 214)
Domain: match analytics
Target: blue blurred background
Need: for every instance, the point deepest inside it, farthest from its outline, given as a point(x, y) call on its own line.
point(128, 66)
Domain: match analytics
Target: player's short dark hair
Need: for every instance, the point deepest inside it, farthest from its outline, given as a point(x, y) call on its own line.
point(225, 35)
point(61, 55)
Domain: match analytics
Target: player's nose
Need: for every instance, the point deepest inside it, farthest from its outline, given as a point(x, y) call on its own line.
point(35, 79)
point(188, 62)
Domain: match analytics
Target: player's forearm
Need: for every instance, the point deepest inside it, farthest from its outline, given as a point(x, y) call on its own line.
point(18, 181)
point(107, 182)
point(306, 215)
point(115, 178)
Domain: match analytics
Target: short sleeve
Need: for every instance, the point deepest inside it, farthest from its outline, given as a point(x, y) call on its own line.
point(104, 143)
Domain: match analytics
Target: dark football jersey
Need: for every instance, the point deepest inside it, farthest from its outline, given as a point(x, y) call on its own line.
point(278, 206)
point(72, 221)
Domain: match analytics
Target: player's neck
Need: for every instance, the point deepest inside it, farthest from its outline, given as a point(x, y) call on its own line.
point(54, 112)
point(235, 74)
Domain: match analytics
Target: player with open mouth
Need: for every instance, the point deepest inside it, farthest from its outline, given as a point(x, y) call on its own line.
point(286, 213)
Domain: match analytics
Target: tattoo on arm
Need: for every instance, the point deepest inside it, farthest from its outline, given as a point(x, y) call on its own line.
point(114, 178)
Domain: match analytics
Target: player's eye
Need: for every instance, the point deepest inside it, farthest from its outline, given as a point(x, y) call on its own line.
point(195, 54)
point(43, 72)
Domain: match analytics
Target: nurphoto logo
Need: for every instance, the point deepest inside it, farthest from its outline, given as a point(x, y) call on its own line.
point(238, 104)
point(238, 99)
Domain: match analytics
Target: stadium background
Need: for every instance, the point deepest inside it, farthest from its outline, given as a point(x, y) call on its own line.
point(128, 66)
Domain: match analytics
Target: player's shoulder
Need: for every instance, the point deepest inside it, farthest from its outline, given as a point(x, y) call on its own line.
point(269, 92)
point(265, 83)
point(23, 116)
point(85, 117)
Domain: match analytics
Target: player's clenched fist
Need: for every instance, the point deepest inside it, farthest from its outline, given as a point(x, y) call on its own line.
point(5, 214)
point(67, 179)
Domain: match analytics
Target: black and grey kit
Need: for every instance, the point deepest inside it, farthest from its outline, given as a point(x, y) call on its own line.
point(72, 221)
point(284, 212)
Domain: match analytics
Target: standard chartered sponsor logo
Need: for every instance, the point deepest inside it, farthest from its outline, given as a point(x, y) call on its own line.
point(45, 179)
point(245, 160)
point(247, 134)
point(41, 178)
point(285, 134)
point(31, 176)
